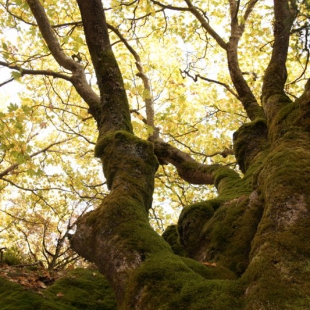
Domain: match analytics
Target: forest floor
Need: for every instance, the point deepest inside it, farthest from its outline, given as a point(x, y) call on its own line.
point(36, 288)
point(31, 277)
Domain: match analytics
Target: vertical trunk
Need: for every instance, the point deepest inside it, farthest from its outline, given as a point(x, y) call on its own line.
point(279, 271)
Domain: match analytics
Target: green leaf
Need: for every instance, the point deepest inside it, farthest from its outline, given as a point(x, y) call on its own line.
point(146, 94)
point(16, 75)
point(4, 46)
point(31, 172)
point(26, 109)
point(19, 126)
point(149, 129)
point(12, 107)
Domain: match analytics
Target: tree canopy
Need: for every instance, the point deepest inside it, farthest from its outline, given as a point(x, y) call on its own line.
point(198, 112)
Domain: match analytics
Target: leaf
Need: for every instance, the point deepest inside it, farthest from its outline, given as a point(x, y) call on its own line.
point(4, 46)
point(16, 75)
point(41, 284)
point(12, 107)
point(31, 172)
point(26, 109)
point(146, 94)
point(19, 126)
point(149, 129)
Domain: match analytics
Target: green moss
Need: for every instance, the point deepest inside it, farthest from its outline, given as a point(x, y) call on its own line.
point(249, 140)
point(269, 287)
point(15, 297)
point(191, 221)
point(166, 282)
point(208, 271)
point(81, 289)
point(228, 235)
point(130, 163)
point(278, 275)
point(171, 236)
point(221, 230)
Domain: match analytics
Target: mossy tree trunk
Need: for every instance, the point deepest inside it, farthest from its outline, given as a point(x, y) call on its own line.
point(246, 249)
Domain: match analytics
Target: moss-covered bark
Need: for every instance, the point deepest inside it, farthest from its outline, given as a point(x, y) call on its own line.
point(280, 250)
point(246, 249)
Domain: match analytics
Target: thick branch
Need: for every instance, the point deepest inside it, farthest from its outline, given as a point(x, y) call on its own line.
point(114, 108)
point(245, 94)
point(249, 9)
point(305, 97)
point(78, 78)
point(188, 168)
point(50, 37)
point(148, 99)
point(276, 74)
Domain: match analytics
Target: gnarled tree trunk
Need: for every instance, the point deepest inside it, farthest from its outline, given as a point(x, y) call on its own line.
point(246, 249)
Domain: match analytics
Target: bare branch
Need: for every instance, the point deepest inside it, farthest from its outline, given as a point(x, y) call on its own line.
point(195, 78)
point(15, 166)
point(78, 78)
point(35, 72)
point(170, 7)
point(205, 24)
point(6, 82)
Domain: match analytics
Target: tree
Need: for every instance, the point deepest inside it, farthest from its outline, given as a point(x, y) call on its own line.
point(248, 247)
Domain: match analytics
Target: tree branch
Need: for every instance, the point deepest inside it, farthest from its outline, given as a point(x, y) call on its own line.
point(249, 9)
point(276, 74)
point(195, 78)
point(245, 94)
point(170, 7)
point(50, 37)
point(15, 166)
point(6, 82)
point(78, 78)
point(188, 168)
point(35, 72)
point(304, 99)
point(148, 98)
point(109, 78)
point(205, 24)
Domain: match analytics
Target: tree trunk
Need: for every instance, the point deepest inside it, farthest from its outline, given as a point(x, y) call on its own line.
point(246, 249)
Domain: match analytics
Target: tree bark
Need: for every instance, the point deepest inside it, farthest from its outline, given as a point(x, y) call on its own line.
point(246, 249)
